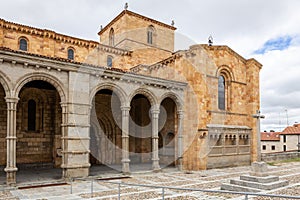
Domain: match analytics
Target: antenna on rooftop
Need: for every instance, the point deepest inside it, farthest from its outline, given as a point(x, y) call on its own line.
point(126, 6)
point(287, 117)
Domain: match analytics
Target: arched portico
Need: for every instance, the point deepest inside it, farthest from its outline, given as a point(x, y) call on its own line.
point(170, 129)
point(35, 116)
point(106, 123)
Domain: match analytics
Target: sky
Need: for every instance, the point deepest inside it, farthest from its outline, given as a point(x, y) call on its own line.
point(267, 30)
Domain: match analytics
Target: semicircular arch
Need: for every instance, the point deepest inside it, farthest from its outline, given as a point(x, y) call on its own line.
point(109, 86)
point(225, 71)
point(147, 93)
point(177, 100)
point(41, 77)
point(6, 83)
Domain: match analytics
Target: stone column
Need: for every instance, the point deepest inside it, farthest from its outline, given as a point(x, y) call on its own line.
point(180, 115)
point(11, 139)
point(258, 116)
point(64, 131)
point(155, 157)
point(125, 139)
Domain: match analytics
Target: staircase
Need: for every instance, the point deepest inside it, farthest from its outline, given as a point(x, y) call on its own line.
point(257, 181)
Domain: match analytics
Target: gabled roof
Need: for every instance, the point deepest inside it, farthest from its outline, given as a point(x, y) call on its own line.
point(292, 130)
point(270, 136)
point(231, 51)
point(124, 12)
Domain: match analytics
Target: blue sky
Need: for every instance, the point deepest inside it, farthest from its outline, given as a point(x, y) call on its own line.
point(279, 43)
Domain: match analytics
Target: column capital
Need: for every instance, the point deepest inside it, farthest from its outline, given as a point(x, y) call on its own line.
point(12, 99)
point(180, 113)
point(155, 110)
point(125, 108)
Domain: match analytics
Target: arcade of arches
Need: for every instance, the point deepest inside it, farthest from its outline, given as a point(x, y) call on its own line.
point(37, 129)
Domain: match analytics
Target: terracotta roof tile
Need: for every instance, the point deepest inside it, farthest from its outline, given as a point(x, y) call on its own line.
point(292, 130)
point(270, 136)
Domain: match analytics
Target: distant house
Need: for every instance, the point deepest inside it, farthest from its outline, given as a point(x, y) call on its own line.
point(290, 138)
point(270, 142)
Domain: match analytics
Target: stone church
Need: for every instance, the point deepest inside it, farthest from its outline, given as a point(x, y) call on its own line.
point(128, 99)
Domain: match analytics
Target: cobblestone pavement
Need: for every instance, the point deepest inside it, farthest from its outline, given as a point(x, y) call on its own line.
point(209, 179)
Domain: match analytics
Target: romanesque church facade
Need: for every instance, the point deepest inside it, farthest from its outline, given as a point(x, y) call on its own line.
point(126, 100)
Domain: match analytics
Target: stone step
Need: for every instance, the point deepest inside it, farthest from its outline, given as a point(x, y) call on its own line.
point(261, 186)
point(238, 188)
point(266, 179)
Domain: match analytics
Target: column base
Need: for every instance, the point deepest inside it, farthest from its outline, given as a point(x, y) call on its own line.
point(155, 166)
point(126, 167)
point(180, 165)
point(75, 172)
point(11, 176)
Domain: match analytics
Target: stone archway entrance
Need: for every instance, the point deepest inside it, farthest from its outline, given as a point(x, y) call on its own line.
point(167, 132)
point(105, 131)
point(140, 131)
point(38, 127)
point(3, 134)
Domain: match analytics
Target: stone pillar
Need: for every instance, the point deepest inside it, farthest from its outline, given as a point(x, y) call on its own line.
point(258, 116)
point(180, 115)
point(125, 139)
point(11, 139)
point(64, 134)
point(75, 140)
point(155, 157)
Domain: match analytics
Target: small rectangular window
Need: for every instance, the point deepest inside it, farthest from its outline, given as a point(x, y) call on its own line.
point(273, 147)
point(284, 138)
point(264, 147)
point(284, 147)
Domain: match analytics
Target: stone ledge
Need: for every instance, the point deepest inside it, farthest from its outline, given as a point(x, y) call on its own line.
point(267, 179)
point(238, 188)
point(260, 186)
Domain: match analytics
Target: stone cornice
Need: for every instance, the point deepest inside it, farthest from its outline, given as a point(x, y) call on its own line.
point(47, 34)
point(110, 74)
point(227, 113)
point(124, 12)
point(232, 52)
point(114, 50)
point(155, 66)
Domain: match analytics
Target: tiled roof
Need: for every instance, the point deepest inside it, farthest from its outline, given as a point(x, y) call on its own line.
point(59, 59)
point(292, 130)
point(270, 136)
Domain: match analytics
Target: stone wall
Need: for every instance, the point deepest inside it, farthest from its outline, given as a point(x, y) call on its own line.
point(280, 156)
point(44, 42)
point(130, 26)
point(42, 144)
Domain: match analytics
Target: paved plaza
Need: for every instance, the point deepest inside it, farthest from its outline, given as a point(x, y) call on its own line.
point(102, 190)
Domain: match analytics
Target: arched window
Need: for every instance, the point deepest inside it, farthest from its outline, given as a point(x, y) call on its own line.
point(31, 115)
point(221, 92)
point(112, 37)
point(70, 54)
point(23, 44)
point(109, 61)
point(150, 34)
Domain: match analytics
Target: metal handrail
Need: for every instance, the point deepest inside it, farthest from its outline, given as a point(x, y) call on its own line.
point(246, 194)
